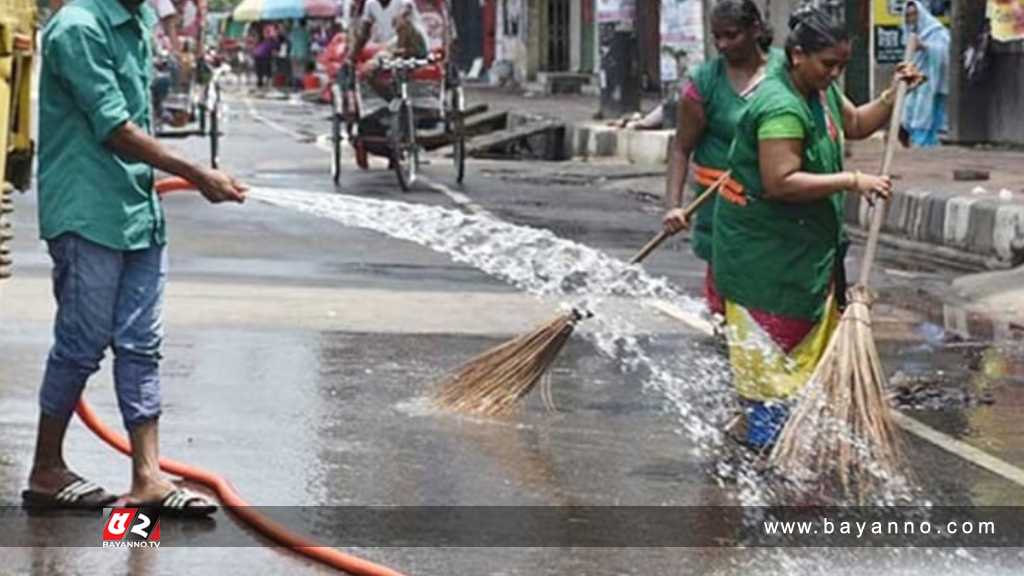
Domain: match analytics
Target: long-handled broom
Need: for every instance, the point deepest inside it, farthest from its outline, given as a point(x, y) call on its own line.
point(841, 426)
point(494, 381)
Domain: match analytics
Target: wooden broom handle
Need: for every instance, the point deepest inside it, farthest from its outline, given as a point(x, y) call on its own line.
point(878, 212)
point(688, 211)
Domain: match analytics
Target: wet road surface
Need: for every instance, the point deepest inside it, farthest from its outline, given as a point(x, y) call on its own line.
point(300, 354)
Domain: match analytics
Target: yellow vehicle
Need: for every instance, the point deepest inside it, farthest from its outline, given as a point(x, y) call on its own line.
point(18, 22)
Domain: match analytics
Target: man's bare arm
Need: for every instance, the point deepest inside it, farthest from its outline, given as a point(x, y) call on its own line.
point(130, 141)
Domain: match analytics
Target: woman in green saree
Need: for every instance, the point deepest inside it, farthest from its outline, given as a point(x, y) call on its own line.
point(779, 243)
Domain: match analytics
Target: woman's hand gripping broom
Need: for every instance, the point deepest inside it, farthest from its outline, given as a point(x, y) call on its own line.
point(493, 382)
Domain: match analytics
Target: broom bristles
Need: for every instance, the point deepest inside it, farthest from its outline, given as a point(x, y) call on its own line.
point(493, 382)
point(841, 427)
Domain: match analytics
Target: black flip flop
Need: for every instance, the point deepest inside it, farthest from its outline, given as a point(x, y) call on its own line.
point(78, 494)
point(179, 502)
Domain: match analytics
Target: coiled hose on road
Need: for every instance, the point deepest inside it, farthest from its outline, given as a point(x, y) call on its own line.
point(228, 496)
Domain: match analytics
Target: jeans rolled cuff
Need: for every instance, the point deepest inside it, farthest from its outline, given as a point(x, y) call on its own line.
point(136, 420)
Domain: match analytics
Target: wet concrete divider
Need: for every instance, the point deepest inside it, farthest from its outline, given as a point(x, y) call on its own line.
point(976, 231)
point(598, 140)
point(593, 140)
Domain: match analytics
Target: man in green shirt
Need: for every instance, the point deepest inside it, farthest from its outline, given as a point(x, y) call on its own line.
point(104, 228)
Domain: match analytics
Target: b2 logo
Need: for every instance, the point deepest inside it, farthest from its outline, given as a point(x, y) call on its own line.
point(132, 525)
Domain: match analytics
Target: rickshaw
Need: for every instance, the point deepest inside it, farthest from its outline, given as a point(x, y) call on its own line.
point(194, 109)
point(421, 111)
point(192, 103)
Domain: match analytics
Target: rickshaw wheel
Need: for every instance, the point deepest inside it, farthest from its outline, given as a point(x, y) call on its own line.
point(201, 113)
point(339, 107)
point(336, 145)
point(350, 117)
point(403, 146)
point(214, 137)
point(459, 157)
point(458, 134)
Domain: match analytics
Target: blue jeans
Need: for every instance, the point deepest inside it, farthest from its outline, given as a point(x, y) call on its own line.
point(105, 298)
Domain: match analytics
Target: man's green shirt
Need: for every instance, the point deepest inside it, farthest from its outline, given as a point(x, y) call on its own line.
point(95, 76)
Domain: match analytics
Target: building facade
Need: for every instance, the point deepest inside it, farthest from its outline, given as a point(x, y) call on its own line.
point(526, 40)
point(988, 108)
point(542, 36)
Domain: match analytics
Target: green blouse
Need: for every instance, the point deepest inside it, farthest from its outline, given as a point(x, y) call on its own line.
point(723, 107)
point(781, 257)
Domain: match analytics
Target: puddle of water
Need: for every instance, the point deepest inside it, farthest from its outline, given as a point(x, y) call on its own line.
point(695, 384)
point(276, 175)
point(417, 407)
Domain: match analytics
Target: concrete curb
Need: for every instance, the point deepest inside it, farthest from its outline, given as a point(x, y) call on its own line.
point(984, 229)
point(642, 147)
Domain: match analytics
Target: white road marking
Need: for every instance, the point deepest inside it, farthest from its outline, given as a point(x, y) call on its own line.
point(673, 311)
point(458, 198)
point(264, 120)
point(923, 431)
point(961, 449)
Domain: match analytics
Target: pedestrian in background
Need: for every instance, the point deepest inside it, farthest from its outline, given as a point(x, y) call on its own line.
point(282, 66)
point(318, 41)
point(262, 55)
point(711, 104)
point(247, 51)
point(924, 115)
point(779, 242)
point(167, 48)
point(104, 228)
point(166, 31)
point(299, 52)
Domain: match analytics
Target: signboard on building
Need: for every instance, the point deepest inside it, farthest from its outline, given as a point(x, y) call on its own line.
point(1007, 18)
point(612, 11)
point(888, 23)
point(682, 37)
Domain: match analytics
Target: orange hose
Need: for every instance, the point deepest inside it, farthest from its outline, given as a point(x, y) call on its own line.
point(172, 184)
point(229, 497)
point(239, 507)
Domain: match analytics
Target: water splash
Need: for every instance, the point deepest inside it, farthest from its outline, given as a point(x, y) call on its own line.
point(540, 263)
point(695, 384)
